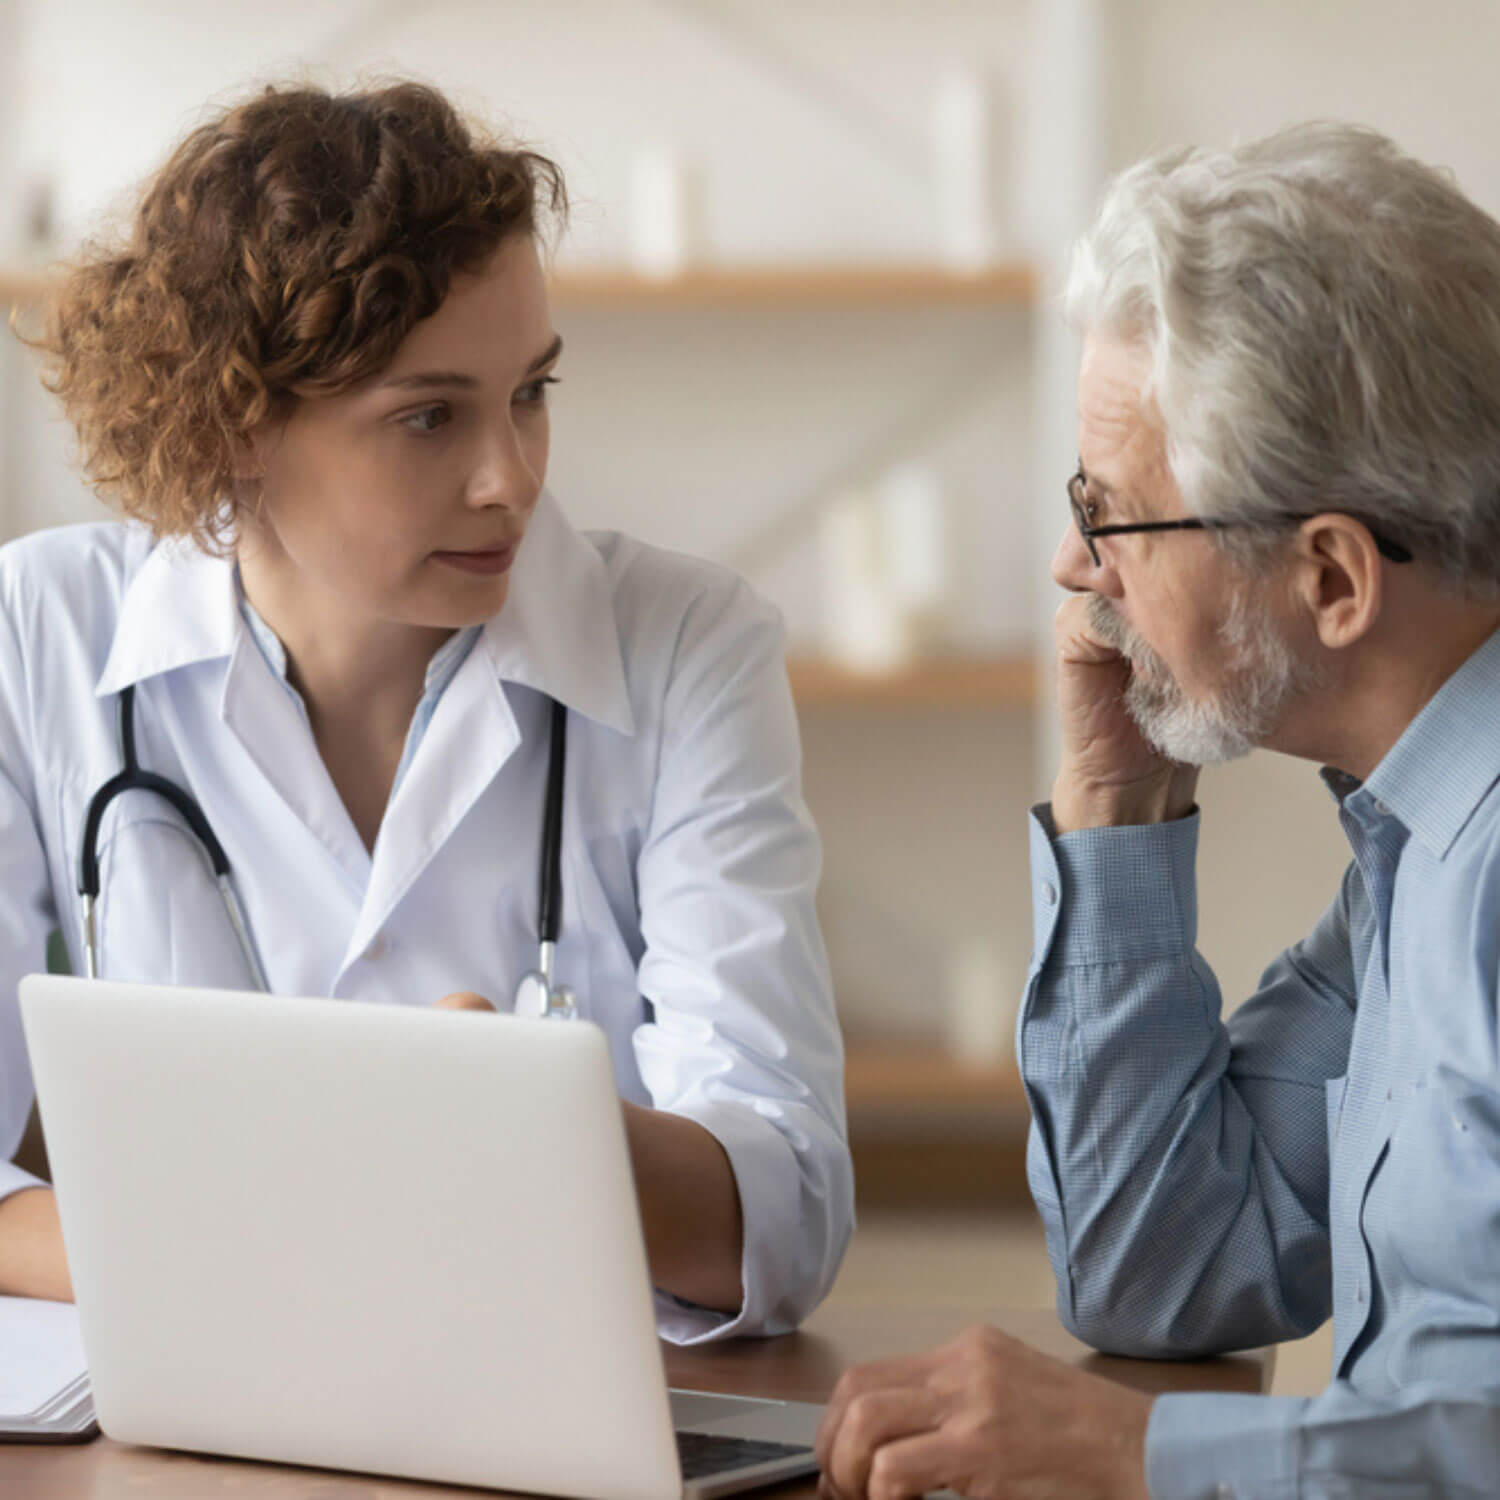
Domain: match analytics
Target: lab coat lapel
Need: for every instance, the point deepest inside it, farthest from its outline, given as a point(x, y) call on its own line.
point(261, 714)
point(472, 735)
point(557, 634)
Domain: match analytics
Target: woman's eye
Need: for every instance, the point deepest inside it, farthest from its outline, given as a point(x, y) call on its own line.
point(536, 392)
point(428, 419)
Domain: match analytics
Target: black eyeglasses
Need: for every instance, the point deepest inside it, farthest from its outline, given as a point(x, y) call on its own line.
point(1079, 501)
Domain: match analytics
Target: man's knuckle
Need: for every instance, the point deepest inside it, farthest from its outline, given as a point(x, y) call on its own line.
point(886, 1480)
point(856, 1418)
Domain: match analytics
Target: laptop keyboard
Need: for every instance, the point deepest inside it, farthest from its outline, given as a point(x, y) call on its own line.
point(703, 1453)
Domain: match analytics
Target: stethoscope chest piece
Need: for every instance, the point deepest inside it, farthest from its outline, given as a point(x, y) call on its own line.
point(538, 1000)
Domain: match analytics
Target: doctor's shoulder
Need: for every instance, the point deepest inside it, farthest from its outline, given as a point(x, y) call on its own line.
point(687, 627)
point(66, 583)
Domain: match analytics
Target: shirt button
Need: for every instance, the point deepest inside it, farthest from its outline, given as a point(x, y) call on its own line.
point(379, 947)
point(1049, 893)
point(1381, 810)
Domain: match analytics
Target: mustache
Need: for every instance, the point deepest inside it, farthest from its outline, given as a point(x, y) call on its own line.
point(1110, 628)
point(1150, 679)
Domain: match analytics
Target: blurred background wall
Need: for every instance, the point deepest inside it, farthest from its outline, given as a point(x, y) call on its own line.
point(778, 413)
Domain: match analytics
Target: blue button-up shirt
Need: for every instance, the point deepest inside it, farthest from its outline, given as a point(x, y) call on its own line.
point(1333, 1148)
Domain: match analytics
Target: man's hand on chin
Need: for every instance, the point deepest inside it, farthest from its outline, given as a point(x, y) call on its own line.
point(988, 1417)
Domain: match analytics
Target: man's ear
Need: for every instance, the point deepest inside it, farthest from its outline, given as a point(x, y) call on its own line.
point(1338, 577)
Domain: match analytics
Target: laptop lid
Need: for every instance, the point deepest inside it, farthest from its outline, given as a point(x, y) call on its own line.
point(324, 1232)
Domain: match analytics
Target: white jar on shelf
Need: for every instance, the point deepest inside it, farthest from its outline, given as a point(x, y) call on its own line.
point(966, 166)
point(914, 544)
point(864, 626)
point(979, 1019)
point(666, 214)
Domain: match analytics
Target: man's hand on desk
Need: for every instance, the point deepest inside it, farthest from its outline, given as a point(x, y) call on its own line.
point(32, 1260)
point(987, 1417)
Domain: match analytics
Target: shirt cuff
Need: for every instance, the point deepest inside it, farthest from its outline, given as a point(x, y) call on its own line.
point(1109, 895)
point(1205, 1446)
point(13, 1179)
point(772, 1269)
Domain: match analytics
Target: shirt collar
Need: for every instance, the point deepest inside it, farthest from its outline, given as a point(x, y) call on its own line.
point(1447, 758)
point(556, 633)
point(445, 662)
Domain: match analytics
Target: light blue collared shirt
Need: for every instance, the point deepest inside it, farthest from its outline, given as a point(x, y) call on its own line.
point(441, 669)
point(1334, 1148)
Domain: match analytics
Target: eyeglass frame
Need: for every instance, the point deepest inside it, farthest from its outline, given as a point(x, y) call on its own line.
point(1395, 551)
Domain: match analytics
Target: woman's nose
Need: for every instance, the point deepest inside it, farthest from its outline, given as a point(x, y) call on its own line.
point(503, 475)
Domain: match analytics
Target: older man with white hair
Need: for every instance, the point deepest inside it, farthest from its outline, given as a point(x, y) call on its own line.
point(1286, 533)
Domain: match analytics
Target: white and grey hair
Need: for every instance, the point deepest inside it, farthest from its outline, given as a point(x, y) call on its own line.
point(1322, 316)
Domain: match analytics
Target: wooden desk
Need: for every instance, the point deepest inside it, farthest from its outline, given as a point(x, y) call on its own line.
point(803, 1367)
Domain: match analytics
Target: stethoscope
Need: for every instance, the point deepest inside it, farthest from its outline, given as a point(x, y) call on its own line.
point(537, 994)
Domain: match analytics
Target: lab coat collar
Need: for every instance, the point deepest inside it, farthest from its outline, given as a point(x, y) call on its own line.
point(180, 608)
point(557, 632)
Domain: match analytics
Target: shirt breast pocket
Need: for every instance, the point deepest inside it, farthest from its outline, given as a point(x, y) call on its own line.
point(160, 914)
point(1443, 1171)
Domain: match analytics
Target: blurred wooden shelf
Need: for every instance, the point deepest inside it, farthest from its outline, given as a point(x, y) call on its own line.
point(748, 286)
point(890, 1078)
point(823, 285)
point(939, 682)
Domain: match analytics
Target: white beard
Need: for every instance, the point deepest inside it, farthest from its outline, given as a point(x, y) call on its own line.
point(1261, 679)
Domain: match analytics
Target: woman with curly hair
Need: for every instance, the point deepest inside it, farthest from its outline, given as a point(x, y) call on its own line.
point(346, 617)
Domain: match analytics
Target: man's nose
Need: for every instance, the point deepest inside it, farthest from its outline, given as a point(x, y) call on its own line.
point(1073, 566)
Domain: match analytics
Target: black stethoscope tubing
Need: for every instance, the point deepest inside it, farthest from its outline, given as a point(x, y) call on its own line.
point(132, 778)
point(549, 897)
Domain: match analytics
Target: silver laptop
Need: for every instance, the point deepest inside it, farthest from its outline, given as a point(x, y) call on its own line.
point(367, 1237)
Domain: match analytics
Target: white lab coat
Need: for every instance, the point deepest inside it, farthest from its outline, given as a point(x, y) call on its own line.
point(689, 861)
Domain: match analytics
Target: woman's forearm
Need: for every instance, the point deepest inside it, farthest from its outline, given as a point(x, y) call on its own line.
point(690, 1208)
point(32, 1261)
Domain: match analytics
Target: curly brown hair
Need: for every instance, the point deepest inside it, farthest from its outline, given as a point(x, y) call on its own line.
point(284, 251)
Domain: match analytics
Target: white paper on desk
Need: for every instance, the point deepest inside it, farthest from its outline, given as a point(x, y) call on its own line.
point(41, 1354)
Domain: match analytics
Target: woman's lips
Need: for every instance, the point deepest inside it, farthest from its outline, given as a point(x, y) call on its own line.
point(489, 562)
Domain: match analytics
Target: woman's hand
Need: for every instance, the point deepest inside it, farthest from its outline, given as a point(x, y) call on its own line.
point(463, 1000)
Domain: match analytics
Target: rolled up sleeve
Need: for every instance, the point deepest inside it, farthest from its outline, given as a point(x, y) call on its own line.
point(1154, 1124)
point(743, 1037)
